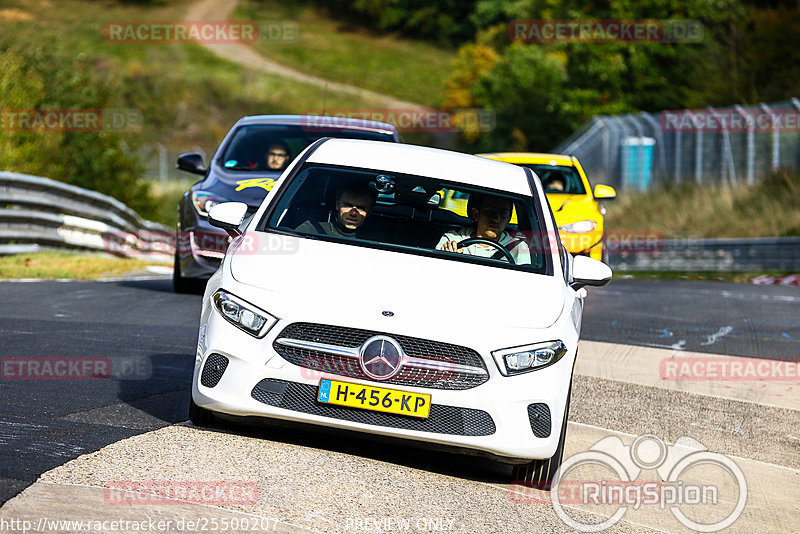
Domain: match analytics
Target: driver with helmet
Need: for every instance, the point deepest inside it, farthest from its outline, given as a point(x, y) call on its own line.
point(490, 215)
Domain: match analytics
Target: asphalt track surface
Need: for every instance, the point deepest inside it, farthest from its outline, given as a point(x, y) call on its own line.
point(148, 334)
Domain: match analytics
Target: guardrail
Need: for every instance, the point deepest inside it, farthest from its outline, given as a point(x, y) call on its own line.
point(715, 255)
point(39, 212)
point(42, 213)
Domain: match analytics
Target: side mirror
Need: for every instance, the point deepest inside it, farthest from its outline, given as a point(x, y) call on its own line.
point(604, 192)
point(228, 216)
point(192, 163)
point(589, 272)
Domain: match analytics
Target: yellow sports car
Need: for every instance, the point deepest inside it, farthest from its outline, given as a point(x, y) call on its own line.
point(575, 205)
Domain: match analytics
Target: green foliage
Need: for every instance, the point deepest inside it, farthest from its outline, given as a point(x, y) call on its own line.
point(443, 21)
point(540, 95)
point(47, 77)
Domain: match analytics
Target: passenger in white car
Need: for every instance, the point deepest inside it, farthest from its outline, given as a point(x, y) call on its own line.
point(491, 216)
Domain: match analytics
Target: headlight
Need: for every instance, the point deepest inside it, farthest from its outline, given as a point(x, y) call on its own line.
point(204, 201)
point(529, 357)
point(580, 227)
point(243, 315)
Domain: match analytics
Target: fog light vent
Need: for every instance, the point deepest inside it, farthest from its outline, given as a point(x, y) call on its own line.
point(539, 416)
point(213, 369)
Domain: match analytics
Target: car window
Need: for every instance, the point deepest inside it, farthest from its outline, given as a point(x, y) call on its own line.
point(411, 214)
point(550, 175)
point(248, 147)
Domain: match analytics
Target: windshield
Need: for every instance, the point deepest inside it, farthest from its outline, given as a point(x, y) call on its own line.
point(412, 214)
point(558, 179)
point(271, 147)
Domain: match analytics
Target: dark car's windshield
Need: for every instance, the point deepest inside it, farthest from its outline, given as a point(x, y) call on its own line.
point(558, 178)
point(412, 214)
point(271, 147)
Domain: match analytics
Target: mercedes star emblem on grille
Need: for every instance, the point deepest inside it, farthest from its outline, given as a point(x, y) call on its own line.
point(381, 357)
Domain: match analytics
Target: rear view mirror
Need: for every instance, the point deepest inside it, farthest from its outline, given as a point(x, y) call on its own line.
point(191, 162)
point(589, 272)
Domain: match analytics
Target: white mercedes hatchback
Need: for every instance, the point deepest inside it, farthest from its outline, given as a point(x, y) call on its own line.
point(360, 297)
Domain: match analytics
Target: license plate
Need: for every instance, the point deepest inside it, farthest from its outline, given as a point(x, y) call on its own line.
point(374, 398)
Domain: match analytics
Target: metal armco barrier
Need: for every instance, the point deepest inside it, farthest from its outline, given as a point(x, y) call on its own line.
point(39, 212)
point(715, 255)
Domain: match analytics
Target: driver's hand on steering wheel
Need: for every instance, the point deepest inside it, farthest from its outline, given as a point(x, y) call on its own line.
point(452, 246)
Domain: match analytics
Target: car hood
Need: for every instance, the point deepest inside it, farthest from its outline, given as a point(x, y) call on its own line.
point(571, 208)
point(353, 285)
point(250, 188)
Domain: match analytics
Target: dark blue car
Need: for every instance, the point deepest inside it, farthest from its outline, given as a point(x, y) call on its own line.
point(246, 165)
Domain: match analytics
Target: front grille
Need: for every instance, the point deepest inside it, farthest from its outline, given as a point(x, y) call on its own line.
point(442, 419)
point(213, 370)
point(539, 417)
point(408, 376)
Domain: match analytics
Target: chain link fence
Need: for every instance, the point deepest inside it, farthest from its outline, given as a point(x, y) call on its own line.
point(717, 146)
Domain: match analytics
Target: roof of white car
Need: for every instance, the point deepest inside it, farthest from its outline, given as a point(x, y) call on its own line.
point(423, 161)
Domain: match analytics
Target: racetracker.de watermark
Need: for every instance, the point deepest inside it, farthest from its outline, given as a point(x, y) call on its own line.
point(155, 492)
point(203, 31)
point(705, 491)
point(731, 121)
point(728, 369)
point(71, 120)
point(405, 119)
point(205, 243)
point(147, 523)
point(75, 368)
point(606, 31)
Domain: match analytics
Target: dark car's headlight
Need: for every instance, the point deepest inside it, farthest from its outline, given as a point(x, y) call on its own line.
point(242, 314)
point(528, 358)
point(204, 201)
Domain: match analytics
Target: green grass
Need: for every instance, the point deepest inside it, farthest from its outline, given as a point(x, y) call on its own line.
point(80, 266)
point(771, 208)
point(343, 52)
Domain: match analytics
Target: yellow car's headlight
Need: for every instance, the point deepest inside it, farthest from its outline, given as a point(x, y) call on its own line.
point(580, 227)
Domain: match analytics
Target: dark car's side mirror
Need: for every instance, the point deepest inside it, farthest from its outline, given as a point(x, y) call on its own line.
point(191, 162)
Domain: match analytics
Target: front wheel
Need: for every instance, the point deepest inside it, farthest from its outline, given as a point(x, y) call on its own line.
point(540, 474)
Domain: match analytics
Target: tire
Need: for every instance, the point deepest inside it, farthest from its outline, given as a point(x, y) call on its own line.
point(539, 474)
point(180, 284)
point(199, 416)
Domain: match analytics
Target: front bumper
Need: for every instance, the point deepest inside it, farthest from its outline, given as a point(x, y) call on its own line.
point(493, 418)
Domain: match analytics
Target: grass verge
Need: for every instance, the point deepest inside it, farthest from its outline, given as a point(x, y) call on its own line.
point(344, 52)
point(770, 208)
point(51, 265)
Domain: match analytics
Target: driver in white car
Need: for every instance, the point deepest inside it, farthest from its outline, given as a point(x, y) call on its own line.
point(491, 216)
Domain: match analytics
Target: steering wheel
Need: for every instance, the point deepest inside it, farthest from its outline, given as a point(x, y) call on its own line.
point(475, 240)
